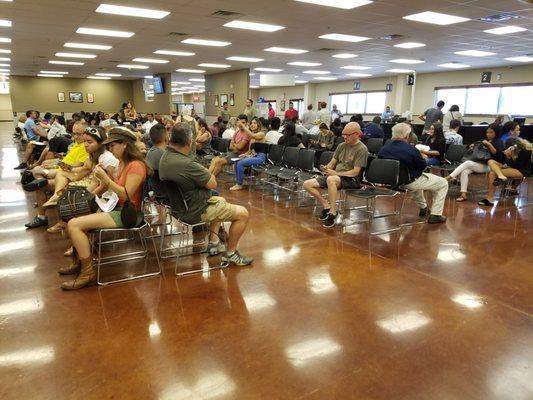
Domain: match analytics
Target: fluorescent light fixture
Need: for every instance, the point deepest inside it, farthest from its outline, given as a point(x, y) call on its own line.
point(75, 55)
point(5, 22)
point(251, 74)
point(268, 69)
point(133, 66)
point(5, 59)
point(475, 53)
point(344, 55)
point(107, 74)
point(148, 77)
point(175, 83)
point(409, 45)
point(400, 70)
point(245, 59)
point(131, 11)
point(190, 71)
point(98, 77)
point(87, 46)
point(406, 61)
point(301, 82)
point(430, 17)
point(104, 32)
point(4, 70)
point(5, 40)
point(65, 62)
point(203, 42)
point(344, 38)
point(286, 50)
point(174, 53)
point(50, 76)
point(209, 65)
point(520, 59)
point(5, 51)
point(54, 72)
point(324, 78)
point(356, 67)
point(504, 30)
point(359, 75)
point(5, 65)
point(151, 60)
point(453, 65)
point(344, 4)
point(197, 80)
point(254, 87)
point(305, 64)
point(253, 26)
point(317, 72)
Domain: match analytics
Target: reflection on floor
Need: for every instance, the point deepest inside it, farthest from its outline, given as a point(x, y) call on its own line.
point(433, 312)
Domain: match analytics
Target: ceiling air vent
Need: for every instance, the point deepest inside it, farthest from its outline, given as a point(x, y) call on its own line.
point(392, 37)
point(177, 34)
point(225, 14)
point(499, 17)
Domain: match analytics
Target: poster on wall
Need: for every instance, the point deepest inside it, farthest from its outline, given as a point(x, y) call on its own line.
point(232, 99)
point(223, 98)
point(216, 101)
point(76, 97)
point(61, 97)
point(90, 98)
point(282, 106)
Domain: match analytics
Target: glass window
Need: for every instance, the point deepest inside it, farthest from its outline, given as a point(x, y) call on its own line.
point(356, 103)
point(482, 100)
point(340, 100)
point(516, 100)
point(375, 102)
point(451, 97)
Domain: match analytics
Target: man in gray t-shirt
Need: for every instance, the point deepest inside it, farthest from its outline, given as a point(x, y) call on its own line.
point(432, 115)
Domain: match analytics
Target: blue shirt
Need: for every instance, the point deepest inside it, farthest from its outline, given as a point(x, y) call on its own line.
point(373, 130)
point(387, 114)
point(30, 127)
point(407, 155)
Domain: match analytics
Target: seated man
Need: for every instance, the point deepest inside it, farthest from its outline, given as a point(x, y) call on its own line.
point(34, 133)
point(342, 172)
point(398, 149)
point(374, 129)
point(196, 183)
point(240, 144)
point(159, 139)
point(452, 136)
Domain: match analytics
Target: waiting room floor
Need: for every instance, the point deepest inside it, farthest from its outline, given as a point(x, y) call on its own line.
point(436, 312)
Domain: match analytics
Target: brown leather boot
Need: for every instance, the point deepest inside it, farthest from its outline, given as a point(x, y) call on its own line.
point(75, 265)
point(86, 277)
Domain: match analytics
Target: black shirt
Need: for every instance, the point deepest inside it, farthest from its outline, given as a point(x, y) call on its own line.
point(289, 141)
point(436, 145)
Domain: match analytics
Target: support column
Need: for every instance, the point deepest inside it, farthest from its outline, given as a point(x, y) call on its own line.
point(309, 94)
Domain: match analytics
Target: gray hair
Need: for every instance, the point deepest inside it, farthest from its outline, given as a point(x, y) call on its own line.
point(232, 123)
point(401, 131)
point(181, 134)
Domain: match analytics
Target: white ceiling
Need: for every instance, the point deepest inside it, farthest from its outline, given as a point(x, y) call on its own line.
point(41, 27)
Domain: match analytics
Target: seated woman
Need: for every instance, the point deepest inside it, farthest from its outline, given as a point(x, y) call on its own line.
point(493, 145)
point(336, 127)
point(437, 145)
point(231, 126)
point(98, 155)
point(289, 138)
point(516, 164)
point(257, 134)
point(240, 144)
point(325, 139)
point(204, 137)
point(132, 173)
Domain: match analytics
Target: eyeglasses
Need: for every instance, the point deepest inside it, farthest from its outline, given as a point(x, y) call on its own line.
point(348, 134)
point(94, 131)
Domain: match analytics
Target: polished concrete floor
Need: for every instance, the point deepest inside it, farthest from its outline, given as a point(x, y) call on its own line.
point(436, 312)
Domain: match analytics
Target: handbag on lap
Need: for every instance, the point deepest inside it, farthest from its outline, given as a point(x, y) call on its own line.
point(75, 202)
point(480, 153)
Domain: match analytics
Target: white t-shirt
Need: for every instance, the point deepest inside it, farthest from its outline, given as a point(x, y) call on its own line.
point(272, 137)
point(56, 130)
point(228, 134)
point(107, 159)
point(148, 125)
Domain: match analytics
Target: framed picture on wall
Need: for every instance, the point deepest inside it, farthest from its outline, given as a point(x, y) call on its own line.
point(232, 99)
point(223, 99)
point(61, 97)
point(75, 97)
point(216, 100)
point(282, 105)
point(90, 98)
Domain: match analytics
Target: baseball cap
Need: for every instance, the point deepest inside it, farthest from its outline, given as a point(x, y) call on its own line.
point(120, 134)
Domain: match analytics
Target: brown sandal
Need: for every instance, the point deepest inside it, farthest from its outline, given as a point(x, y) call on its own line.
point(461, 198)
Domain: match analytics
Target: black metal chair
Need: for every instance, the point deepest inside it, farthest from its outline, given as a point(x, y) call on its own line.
point(452, 159)
point(374, 145)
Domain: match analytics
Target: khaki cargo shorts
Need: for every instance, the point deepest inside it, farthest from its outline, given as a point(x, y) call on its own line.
point(218, 210)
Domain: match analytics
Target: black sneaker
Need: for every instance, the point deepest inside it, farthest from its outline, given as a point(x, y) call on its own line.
point(436, 219)
point(424, 212)
point(329, 222)
point(237, 259)
point(324, 215)
point(37, 223)
point(22, 165)
point(34, 185)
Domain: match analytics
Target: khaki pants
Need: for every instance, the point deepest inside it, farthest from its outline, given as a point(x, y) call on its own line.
point(438, 187)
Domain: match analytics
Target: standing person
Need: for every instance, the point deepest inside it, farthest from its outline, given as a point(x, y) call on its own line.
point(437, 145)
point(271, 111)
point(323, 114)
point(240, 144)
point(432, 115)
point(291, 112)
point(335, 112)
point(309, 117)
point(398, 149)
point(128, 185)
point(342, 172)
point(224, 114)
point(453, 113)
point(387, 114)
point(249, 110)
point(196, 184)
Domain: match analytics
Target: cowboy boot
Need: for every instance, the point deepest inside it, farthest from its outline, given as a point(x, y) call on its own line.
point(86, 277)
point(74, 267)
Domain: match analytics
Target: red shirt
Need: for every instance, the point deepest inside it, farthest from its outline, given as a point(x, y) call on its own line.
point(137, 168)
point(242, 136)
point(291, 113)
point(271, 113)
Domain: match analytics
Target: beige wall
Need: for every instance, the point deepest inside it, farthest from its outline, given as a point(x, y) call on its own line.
point(6, 111)
point(162, 103)
point(236, 82)
point(41, 94)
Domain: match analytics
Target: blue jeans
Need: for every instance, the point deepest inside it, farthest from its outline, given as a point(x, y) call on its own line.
point(432, 161)
point(240, 165)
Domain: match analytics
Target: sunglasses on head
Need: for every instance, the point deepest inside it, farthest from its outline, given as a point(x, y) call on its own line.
point(94, 131)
